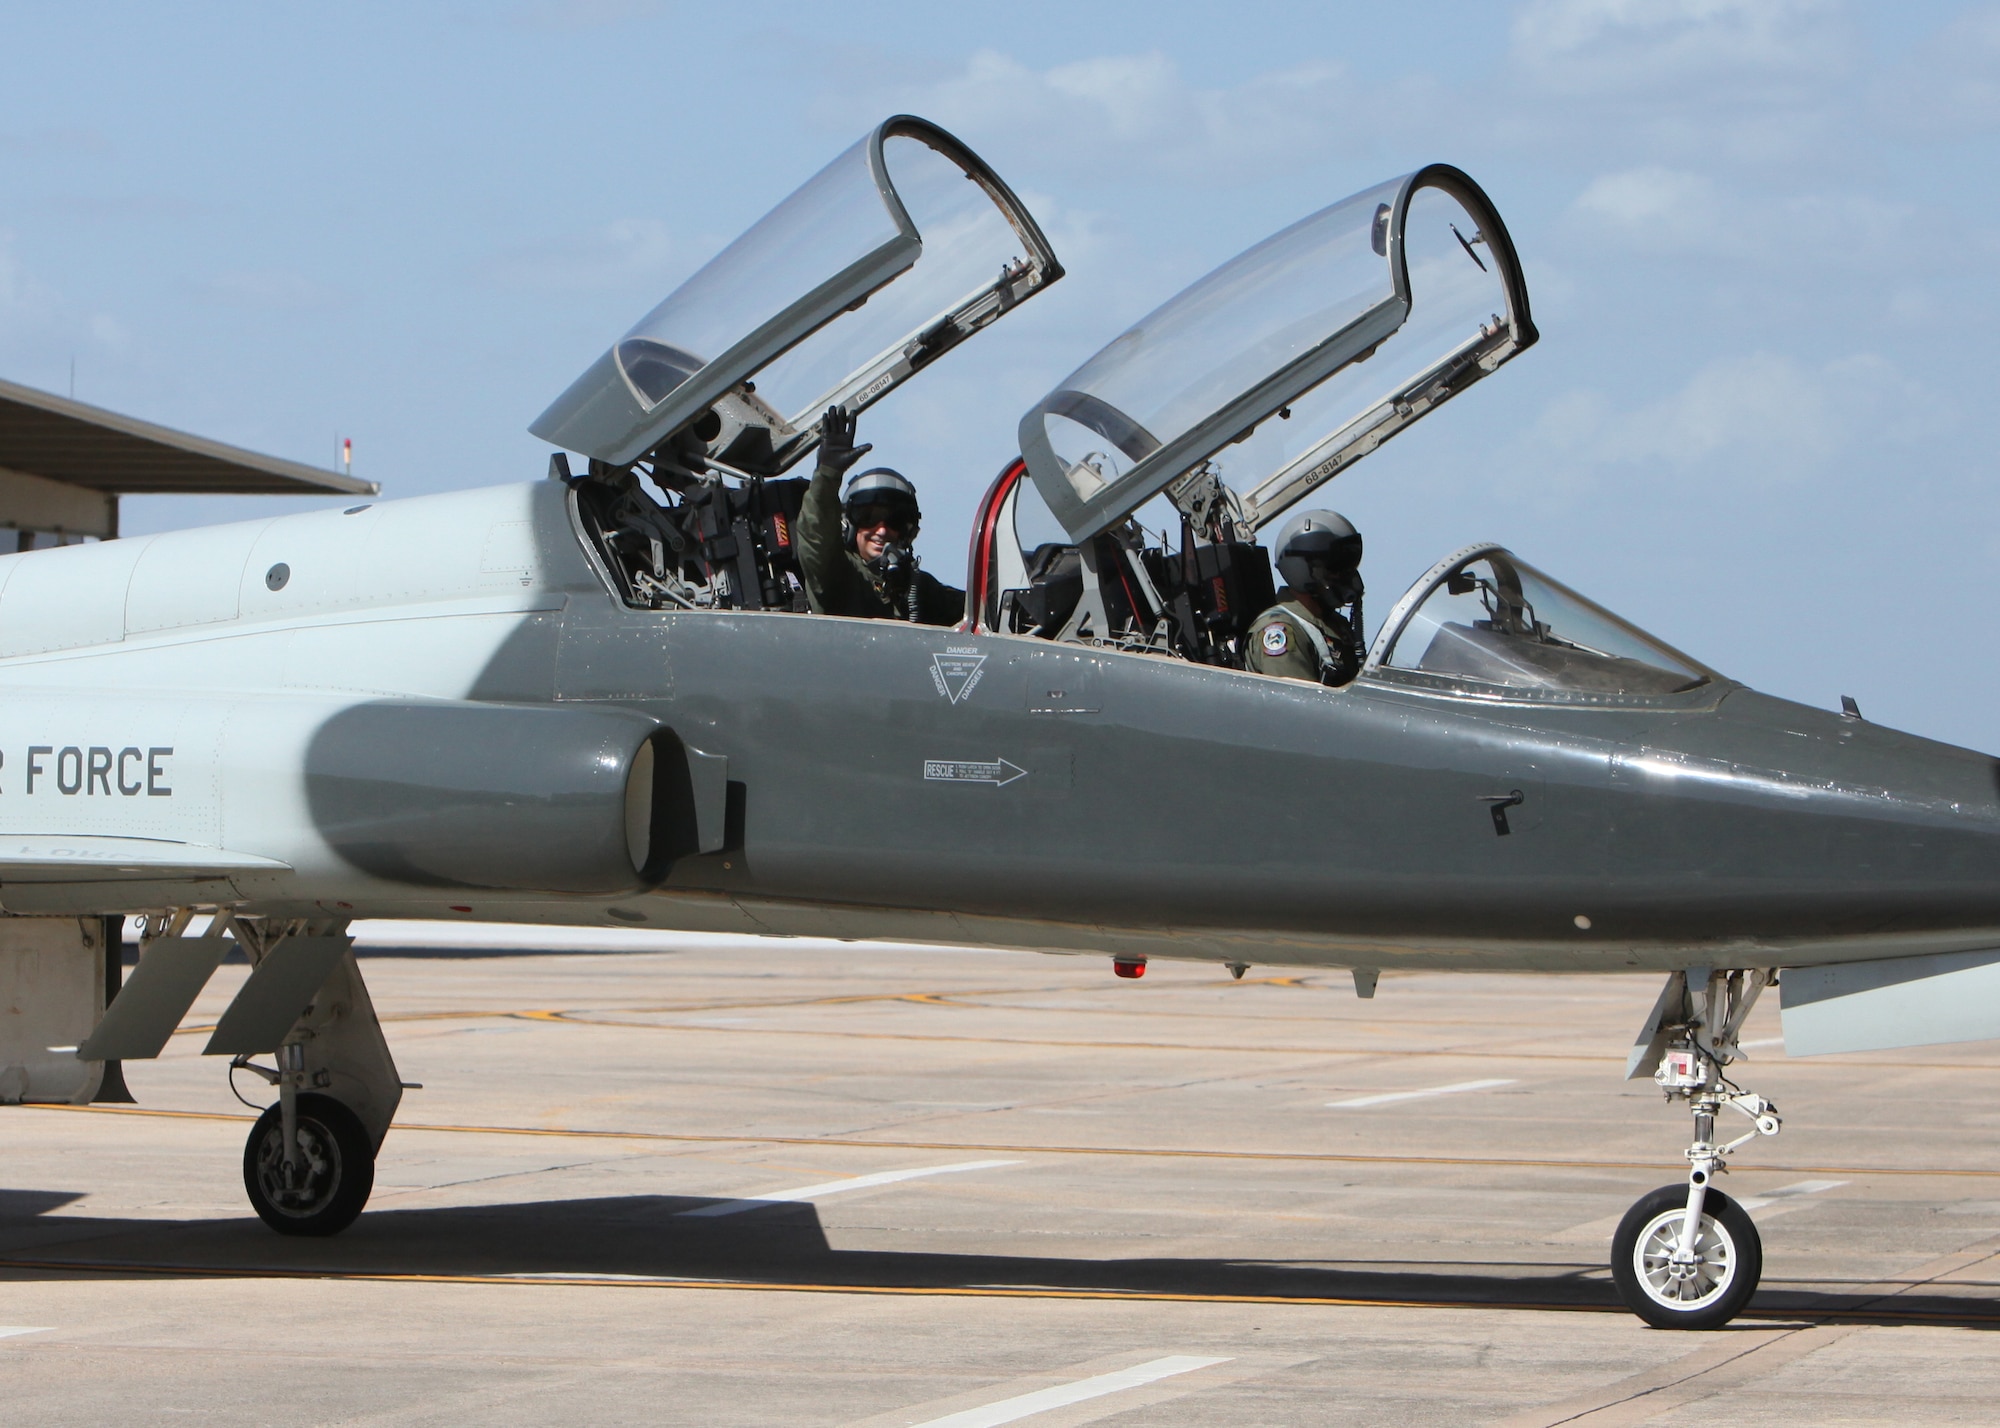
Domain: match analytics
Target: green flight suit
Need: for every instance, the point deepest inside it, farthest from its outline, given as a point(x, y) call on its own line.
point(839, 582)
point(1290, 641)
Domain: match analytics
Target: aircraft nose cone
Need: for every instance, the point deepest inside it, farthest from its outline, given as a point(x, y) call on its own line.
point(1829, 825)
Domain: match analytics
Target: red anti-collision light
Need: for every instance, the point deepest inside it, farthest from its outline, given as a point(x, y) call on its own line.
point(1129, 966)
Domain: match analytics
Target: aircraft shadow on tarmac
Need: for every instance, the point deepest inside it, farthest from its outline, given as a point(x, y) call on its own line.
point(784, 1244)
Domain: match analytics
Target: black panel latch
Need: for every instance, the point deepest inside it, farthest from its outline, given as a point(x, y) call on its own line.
point(1500, 803)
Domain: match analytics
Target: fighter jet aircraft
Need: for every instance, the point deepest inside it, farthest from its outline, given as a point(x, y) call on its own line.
point(597, 700)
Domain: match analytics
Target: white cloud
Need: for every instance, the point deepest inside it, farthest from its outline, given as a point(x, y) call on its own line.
point(41, 332)
point(1950, 84)
point(1656, 211)
point(1757, 81)
point(1616, 44)
point(108, 332)
point(16, 291)
point(132, 207)
point(32, 308)
point(577, 14)
point(55, 143)
point(606, 257)
point(268, 290)
point(1767, 413)
point(1755, 417)
point(1658, 208)
point(1116, 114)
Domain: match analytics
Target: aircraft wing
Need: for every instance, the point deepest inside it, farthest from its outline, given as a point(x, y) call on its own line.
point(46, 858)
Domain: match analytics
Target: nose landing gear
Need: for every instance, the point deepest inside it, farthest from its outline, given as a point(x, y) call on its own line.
point(1689, 1257)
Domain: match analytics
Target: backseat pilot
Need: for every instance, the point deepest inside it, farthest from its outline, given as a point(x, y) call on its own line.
point(1314, 631)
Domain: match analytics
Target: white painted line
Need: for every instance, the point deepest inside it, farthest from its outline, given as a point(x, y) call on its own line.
point(1784, 1200)
point(1013, 1410)
point(1450, 1090)
point(839, 1187)
point(1787, 1192)
point(8, 1331)
point(1763, 1041)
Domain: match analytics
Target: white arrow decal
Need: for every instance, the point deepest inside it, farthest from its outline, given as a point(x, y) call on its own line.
point(997, 773)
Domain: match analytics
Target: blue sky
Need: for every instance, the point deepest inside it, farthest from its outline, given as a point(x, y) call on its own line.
point(1761, 237)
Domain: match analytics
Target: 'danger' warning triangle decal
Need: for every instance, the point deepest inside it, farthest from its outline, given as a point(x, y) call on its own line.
point(956, 672)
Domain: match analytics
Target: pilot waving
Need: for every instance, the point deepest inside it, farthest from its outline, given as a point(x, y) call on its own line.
point(1314, 631)
point(854, 549)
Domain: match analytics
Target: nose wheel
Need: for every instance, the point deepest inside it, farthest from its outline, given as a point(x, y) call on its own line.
point(319, 1187)
point(1702, 1287)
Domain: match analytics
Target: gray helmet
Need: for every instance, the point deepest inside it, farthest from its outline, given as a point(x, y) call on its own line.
point(1319, 552)
point(880, 486)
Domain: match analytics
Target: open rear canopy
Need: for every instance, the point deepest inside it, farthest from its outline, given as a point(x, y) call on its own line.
point(889, 256)
point(1345, 327)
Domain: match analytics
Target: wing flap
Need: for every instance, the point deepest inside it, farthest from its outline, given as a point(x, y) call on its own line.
point(42, 858)
point(1887, 1005)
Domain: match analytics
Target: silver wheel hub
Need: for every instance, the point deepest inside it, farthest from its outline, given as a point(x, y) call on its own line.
point(1678, 1281)
point(313, 1177)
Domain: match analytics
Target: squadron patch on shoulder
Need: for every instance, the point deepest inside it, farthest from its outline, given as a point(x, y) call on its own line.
point(1277, 638)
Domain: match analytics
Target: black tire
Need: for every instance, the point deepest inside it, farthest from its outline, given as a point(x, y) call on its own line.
point(1731, 1251)
point(340, 1161)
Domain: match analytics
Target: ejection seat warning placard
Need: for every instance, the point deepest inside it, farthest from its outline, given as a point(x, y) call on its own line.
point(956, 672)
point(997, 773)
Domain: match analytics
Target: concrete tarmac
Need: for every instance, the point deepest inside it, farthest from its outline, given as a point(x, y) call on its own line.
point(788, 1182)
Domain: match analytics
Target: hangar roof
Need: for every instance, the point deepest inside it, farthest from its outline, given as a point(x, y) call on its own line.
point(79, 445)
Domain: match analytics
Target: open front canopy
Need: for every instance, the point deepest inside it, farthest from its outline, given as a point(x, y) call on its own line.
point(1273, 350)
point(908, 239)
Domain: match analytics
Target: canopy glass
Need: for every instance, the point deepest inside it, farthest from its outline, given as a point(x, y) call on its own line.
point(1486, 622)
point(1268, 351)
point(890, 255)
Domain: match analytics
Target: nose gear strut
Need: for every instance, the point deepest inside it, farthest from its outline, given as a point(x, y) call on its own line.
point(1689, 1257)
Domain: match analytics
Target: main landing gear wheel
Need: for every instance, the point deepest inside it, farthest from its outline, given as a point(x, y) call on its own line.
point(323, 1191)
point(1672, 1292)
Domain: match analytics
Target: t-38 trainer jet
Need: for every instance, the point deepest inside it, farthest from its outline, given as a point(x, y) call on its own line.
point(599, 700)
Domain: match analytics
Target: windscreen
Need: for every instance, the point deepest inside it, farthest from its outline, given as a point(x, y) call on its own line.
point(1498, 624)
point(1221, 338)
point(835, 221)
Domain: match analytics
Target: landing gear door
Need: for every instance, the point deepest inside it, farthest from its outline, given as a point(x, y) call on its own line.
point(888, 257)
point(1292, 360)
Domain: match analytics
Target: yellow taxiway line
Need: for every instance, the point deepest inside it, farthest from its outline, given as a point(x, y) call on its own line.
point(620, 1017)
point(1864, 1314)
point(1147, 1152)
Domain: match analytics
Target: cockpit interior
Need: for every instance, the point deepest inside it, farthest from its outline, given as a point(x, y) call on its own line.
point(1152, 474)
